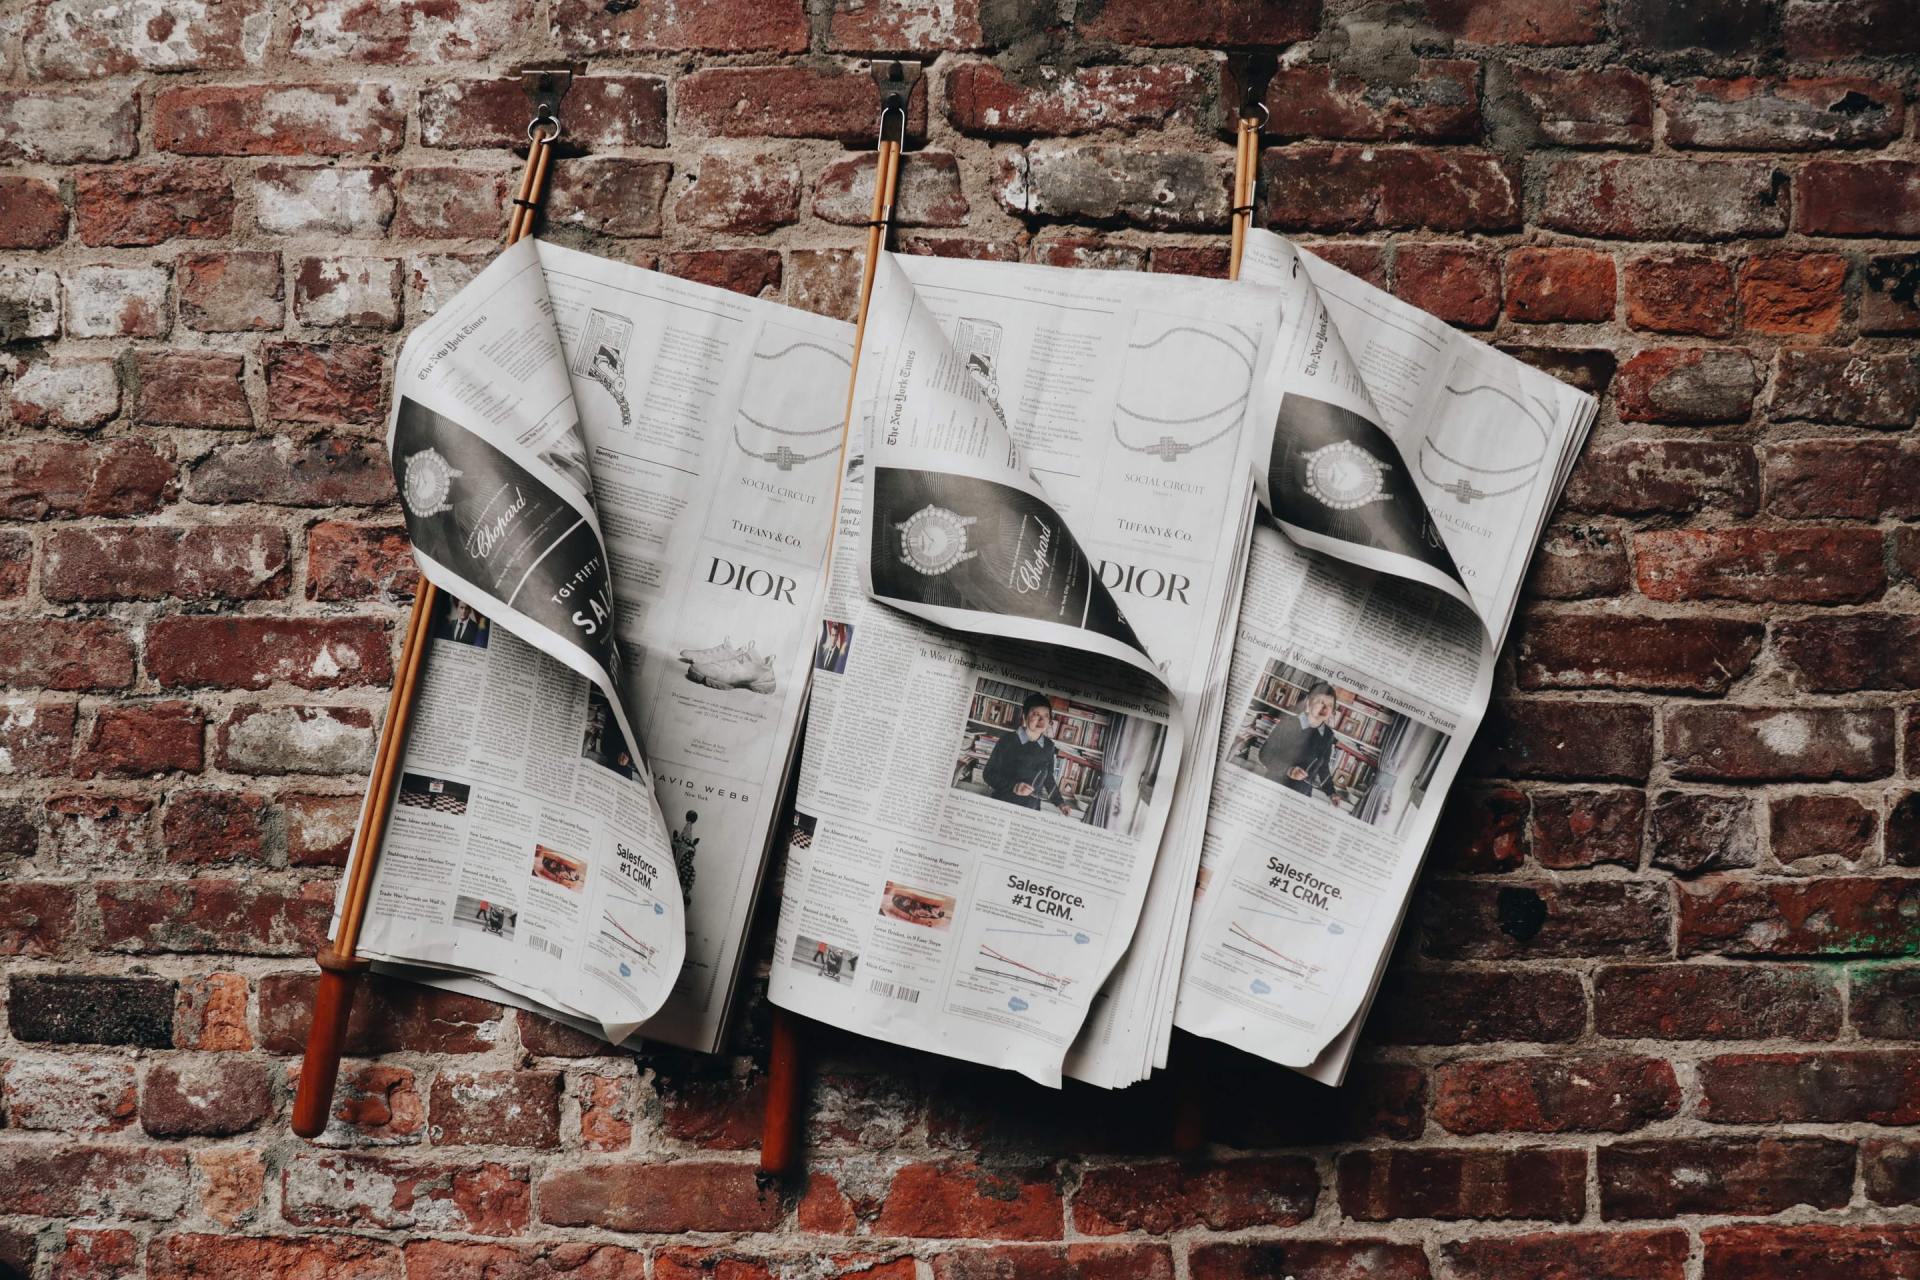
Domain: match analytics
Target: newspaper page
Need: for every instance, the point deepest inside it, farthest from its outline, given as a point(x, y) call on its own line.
point(1037, 565)
point(707, 424)
point(1411, 472)
point(510, 852)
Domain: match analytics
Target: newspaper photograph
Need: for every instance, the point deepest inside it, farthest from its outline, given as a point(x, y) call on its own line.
point(1030, 615)
point(1374, 606)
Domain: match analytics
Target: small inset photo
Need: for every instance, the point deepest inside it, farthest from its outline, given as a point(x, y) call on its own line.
point(461, 623)
point(496, 918)
point(800, 830)
point(831, 653)
point(916, 906)
point(836, 964)
point(602, 741)
point(418, 791)
point(563, 869)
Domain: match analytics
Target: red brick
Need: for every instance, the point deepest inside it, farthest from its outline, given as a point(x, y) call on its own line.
point(951, 1199)
point(1376, 1186)
point(76, 41)
point(36, 734)
point(313, 473)
point(1665, 1177)
point(1751, 114)
point(1687, 384)
point(1471, 1006)
point(36, 920)
point(66, 393)
point(1858, 198)
point(184, 1256)
point(209, 915)
point(347, 561)
point(152, 562)
point(1555, 22)
point(1819, 825)
point(1606, 651)
point(282, 739)
point(103, 1254)
point(352, 292)
point(1680, 294)
point(1482, 829)
point(75, 1180)
point(1211, 23)
point(42, 127)
point(200, 827)
point(389, 1016)
point(1055, 1262)
point(1793, 293)
point(29, 303)
point(587, 27)
point(611, 196)
point(279, 119)
point(230, 292)
point(930, 193)
point(1556, 286)
point(1611, 108)
point(105, 301)
point(1843, 387)
point(742, 193)
point(1716, 1002)
point(982, 98)
point(374, 1105)
point(254, 652)
point(318, 828)
point(1903, 830)
point(1815, 566)
point(1364, 258)
point(1884, 1001)
point(1458, 283)
point(326, 200)
point(1848, 28)
point(1579, 562)
point(1570, 1255)
point(1547, 1095)
point(16, 563)
point(1642, 477)
point(93, 831)
point(205, 1097)
point(190, 389)
point(1750, 744)
point(1476, 920)
point(1864, 916)
point(1356, 188)
point(1694, 831)
point(319, 1190)
point(1094, 253)
point(129, 205)
point(1815, 1251)
point(58, 654)
point(1161, 1198)
point(502, 1108)
point(447, 202)
point(687, 1195)
point(404, 33)
point(603, 113)
point(231, 1183)
point(1600, 742)
point(1717, 26)
point(212, 1013)
point(1890, 296)
point(753, 272)
point(452, 1260)
point(1849, 478)
point(1851, 652)
point(70, 1095)
point(1573, 829)
point(1432, 101)
point(1859, 1087)
point(606, 1113)
point(143, 740)
point(786, 102)
point(1890, 1170)
point(906, 26)
point(1660, 198)
point(337, 385)
point(1196, 260)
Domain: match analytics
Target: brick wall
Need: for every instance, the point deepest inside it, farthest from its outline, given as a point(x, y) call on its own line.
point(1655, 1015)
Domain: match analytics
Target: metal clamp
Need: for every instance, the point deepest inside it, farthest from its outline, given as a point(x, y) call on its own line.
point(1248, 75)
point(895, 82)
point(545, 84)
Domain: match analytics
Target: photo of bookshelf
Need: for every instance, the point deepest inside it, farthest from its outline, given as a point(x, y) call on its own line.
point(1089, 764)
point(1368, 761)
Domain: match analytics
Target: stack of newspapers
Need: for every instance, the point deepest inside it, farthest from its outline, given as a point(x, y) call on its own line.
point(1137, 630)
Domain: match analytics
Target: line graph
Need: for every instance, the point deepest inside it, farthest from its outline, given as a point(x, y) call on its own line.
point(1035, 957)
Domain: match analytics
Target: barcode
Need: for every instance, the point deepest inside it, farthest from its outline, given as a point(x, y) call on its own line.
point(541, 944)
point(893, 991)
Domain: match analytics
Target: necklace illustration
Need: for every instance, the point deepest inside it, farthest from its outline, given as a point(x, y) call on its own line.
point(781, 456)
point(1343, 476)
point(1168, 448)
point(1463, 489)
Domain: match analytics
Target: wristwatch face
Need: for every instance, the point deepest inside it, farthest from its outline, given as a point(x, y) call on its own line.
point(934, 540)
point(1344, 476)
point(429, 479)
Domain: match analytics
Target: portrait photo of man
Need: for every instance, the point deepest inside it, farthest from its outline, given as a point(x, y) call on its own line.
point(1298, 752)
point(1021, 769)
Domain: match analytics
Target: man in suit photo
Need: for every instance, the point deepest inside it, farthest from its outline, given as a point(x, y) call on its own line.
point(1298, 752)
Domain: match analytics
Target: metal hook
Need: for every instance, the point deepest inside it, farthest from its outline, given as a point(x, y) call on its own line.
point(895, 82)
point(546, 83)
point(1250, 74)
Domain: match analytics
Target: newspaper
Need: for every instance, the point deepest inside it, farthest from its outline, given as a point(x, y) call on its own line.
point(1410, 474)
point(624, 484)
point(1032, 600)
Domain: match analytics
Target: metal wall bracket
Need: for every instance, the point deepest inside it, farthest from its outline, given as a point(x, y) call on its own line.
point(1247, 78)
point(546, 83)
point(894, 82)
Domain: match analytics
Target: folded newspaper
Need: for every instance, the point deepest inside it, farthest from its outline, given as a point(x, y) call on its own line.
point(1060, 672)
